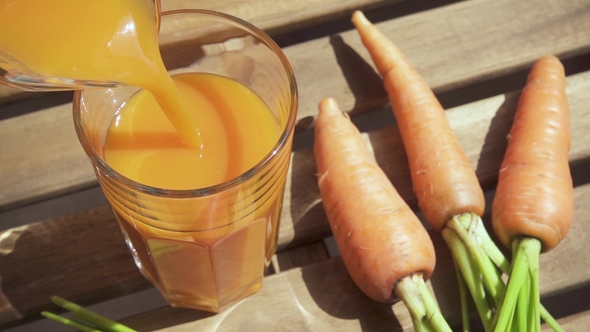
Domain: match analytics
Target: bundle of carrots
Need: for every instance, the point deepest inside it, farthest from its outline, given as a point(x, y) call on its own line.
point(384, 246)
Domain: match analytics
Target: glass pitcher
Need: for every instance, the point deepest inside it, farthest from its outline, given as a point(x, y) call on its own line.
point(17, 73)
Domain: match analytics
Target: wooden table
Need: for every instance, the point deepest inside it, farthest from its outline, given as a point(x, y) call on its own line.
point(59, 237)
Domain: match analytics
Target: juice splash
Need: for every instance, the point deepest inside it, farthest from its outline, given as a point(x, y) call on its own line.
point(238, 130)
point(93, 41)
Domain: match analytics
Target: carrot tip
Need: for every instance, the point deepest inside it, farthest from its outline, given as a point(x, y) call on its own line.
point(329, 106)
point(358, 17)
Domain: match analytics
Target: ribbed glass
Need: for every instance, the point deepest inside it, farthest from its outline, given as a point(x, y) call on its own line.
point(203, 248)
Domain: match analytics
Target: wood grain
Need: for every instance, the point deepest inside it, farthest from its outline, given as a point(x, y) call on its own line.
point(452, 46)
point(80, 256)
point(285, 16)
point(40, 157)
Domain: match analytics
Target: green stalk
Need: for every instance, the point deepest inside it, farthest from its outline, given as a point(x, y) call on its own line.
point(474, 225)
point(92, 318)
point(533, 251)
point(470, 274)
point(417, 322)
point(469, 227)
point(513, 326)
point(480, 266)
point(69, 322)
point(463, 295)
point(522, 307)
point(518, 274)
point(433, 316)
point(421, 304)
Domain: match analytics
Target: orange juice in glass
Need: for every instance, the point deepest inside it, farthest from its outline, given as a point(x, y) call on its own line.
point(201, 221)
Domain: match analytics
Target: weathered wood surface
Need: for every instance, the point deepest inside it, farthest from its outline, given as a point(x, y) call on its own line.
point(82, 256)
point(452, 46)
point(284, 16)
point(322, 297)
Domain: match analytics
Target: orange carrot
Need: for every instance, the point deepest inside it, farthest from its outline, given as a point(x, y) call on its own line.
point(379, 237)
point(534, 196)
point(384, 246)
point(444, 181)
point(534, 201)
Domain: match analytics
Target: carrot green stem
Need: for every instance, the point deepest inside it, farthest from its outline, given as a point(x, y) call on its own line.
point(91, 318)
point(69, 322)
point(523, 287)
point(433, 317)
point(481, 265)
point(474, 225)
point(468, 271)
point(469, 227)
point(534, 292)
point(515, 282)
point(421, 304)
point(464, 296)
point(523, 314)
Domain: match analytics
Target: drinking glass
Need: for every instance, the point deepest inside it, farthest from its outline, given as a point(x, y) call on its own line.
point(203, 248)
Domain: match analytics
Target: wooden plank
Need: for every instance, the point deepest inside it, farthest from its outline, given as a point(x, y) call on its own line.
point(40, 157)
point(282, 17)
point(171, 319)
point(9, 95)
point(165, 318)
point(269, 15)
point(29, 277)
point(300, 256)
point(316, 298)
point(323, 297)
point(80, 256)
point(452, 46)
point(458, 34)
point(578, 322)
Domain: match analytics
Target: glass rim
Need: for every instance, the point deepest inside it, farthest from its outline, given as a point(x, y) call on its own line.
point(223, 186)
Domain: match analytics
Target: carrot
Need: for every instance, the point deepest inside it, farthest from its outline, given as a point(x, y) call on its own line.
point(534, 195)
point(533, 206)
point(384, 246)
point(446, 186)
point(443, 180)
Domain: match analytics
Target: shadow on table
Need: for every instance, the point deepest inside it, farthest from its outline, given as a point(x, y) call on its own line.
point(334, 292)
